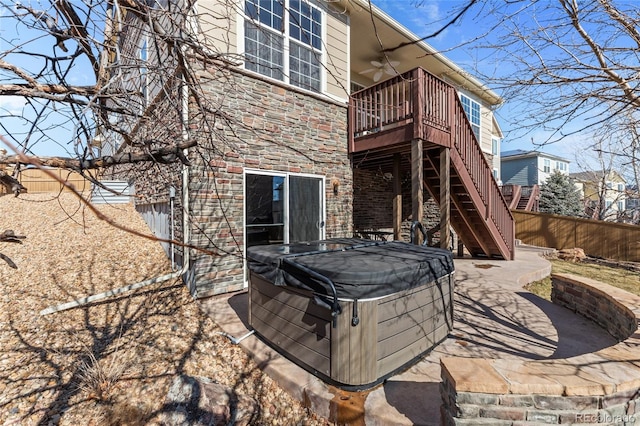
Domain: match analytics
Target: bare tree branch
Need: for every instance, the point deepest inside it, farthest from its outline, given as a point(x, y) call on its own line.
point(164, 155)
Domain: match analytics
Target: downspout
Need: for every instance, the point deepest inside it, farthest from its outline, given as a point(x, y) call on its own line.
point(172, 197)
point(185, 229)
point(186, 252)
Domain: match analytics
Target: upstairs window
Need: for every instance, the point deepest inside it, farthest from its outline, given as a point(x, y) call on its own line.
point(144, 77)
point(546, 165)
point(283, 40)
point(494, 146)
point(472, 109)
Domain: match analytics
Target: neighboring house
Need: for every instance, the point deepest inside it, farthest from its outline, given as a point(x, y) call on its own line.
point(632, 213)
point(319, 136)
point(528, 168)
point(604, 194)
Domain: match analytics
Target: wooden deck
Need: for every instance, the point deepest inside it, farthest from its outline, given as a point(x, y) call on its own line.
point(415, 123)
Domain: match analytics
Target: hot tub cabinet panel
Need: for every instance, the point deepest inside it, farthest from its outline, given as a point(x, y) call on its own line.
point(411, 323)
point(291, 322)
point(370, 339)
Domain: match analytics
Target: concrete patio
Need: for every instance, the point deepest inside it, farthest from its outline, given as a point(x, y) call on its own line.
point(494, 318)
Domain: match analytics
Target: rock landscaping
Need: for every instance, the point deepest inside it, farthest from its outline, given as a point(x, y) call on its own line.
point(114, 361)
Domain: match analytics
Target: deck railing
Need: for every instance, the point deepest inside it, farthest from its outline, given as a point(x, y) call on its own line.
point(383, 105)
point(431, 106)
point(481, 173)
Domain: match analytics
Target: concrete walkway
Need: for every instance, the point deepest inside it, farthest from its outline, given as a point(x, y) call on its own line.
point(494, 318)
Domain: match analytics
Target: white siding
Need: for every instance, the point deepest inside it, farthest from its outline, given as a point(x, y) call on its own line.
point(116, 192)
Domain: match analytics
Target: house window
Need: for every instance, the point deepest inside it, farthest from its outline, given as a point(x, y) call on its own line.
point(283, 40)
point(620, 206)
point(608, 204)
point(561, 166)
point(144, 77)
point(621, 187)
point(494, 146)
point(546, 165)
point(472, 109)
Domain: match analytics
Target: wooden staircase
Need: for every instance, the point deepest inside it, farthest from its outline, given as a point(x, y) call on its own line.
point(467, 218)
point(431, 111)
point(522, 197)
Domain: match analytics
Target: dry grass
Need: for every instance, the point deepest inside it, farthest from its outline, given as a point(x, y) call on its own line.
point(618, 277)
point(98, 378)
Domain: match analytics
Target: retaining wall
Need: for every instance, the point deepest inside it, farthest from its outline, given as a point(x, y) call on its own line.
point(595, 388)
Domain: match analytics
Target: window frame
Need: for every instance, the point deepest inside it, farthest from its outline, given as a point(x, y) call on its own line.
point(495, 143)
point(143, 57)
point(305, 81)
point(464, 99)
point(287, 176)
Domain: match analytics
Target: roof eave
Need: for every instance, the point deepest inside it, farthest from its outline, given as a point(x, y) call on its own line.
point(492, 97)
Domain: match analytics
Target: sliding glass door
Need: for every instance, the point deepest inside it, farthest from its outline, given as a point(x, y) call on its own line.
point(283, 208)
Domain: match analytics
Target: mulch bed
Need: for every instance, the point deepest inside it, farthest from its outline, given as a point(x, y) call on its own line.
point(110, 362)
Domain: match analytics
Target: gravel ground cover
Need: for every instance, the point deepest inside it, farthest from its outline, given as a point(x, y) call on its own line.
point(110, 362)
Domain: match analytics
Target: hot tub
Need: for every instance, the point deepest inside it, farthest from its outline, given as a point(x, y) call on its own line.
point(352, 312)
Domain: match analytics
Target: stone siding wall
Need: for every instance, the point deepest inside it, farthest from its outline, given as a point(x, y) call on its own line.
point(472, 408)
point(263, 126)
point(243, 122)
point(373, 205)
point(152, 180)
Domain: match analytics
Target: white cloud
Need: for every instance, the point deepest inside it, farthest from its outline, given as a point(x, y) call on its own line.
point(12, 105)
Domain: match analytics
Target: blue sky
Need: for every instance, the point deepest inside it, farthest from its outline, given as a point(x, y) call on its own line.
point(16, 116)
point(420, 16)
point(424, 17)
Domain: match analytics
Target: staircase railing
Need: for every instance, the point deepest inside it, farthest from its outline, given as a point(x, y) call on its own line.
point(424, 101)
point(533, 198)
point(475, 163)
point(511, 194)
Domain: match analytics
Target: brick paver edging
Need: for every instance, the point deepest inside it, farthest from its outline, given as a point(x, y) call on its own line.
point(595, 388)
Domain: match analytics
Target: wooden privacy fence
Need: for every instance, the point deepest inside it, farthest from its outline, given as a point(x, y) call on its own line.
point(597, 238)
point(36, 181)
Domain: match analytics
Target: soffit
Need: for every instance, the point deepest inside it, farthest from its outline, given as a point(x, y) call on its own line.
point(370, 37)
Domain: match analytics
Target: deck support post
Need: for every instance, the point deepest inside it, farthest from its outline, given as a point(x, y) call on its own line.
point(445, 198)
point(397, 198)
point(417, 176)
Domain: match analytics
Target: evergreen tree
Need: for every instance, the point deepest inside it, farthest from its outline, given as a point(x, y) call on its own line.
point(559, 195)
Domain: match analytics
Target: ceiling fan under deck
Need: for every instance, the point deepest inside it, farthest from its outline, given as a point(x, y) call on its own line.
point(382, 67)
